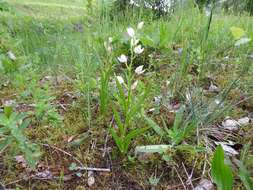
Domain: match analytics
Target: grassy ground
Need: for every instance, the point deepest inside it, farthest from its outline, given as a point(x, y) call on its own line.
point(63, 77)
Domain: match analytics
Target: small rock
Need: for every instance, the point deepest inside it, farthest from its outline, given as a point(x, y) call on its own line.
point(21, 160)
point(45, 174)
point(204, 184)
point(91, 179)
point(230, 124)
point(213, 88)
point(228, 149)
point(9, 102)
point(244, 121)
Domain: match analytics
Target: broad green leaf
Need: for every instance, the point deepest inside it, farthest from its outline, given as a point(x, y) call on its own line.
point(24, 124)
point(8, 111)
point(4, 143)
point(121, 95)
point(132, 135)
point(245, 177)
point(118, 120)
point(154, 126)
point(117, 140)
point(221, 173)
point(178, 119)
point(136, 107)
point(161, 148)
point(237, 32)
point(190, 148)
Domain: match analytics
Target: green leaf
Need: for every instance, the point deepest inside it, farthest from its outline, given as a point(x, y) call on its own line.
point(245, 177)
point(118, 120)
point(8, 111)
point(178, 119)
point(161, 148)
point(73, 166)
point(121, 96)
point(132, 135)
point(237, 32)
point(136, 106)
point(221, 173)
point(190, 148)
point(117, 140)
point(154, 126)
point(5, 143)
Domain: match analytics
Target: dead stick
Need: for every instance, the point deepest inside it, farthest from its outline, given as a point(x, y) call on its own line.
point(180, 179)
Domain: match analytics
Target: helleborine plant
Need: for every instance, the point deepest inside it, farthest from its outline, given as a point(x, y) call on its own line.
point(128, 104)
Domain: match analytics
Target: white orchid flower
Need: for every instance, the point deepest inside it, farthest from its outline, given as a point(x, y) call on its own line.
point(140, 25)
point(122, 58)
point(139, 70)
point(120, 79)
point(130, 32)
point(138, 49)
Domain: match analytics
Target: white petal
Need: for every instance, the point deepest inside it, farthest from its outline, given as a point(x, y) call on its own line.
point(139, 70)
point(130, 32)
point(120, 79)
point(138, 49)
point(131, 2)
point(140, 25)
point(122, 58)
